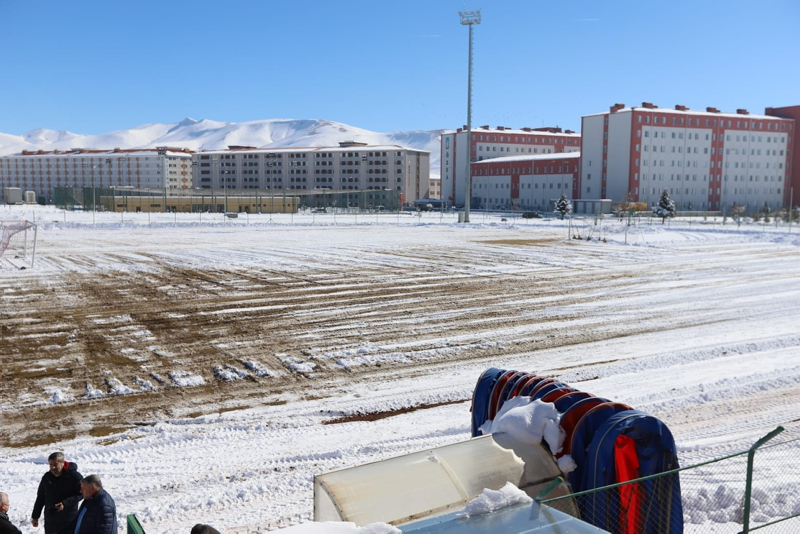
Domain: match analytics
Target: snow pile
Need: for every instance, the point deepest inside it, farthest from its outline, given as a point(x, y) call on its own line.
point(229, 373)
point(115, 387)
point(92, 393)
point(184, 379)
point(526, 422)
point(57, 396)
point(492, 500)
point(296, 364)
point(258, 369)
point(144, 385)
point(723, 505)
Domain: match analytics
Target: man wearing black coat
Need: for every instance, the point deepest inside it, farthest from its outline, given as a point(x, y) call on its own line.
point(59, 494)
point(5, 525)
point(98, 513)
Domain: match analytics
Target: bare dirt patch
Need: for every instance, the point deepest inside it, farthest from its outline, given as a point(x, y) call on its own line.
point(375, 416)
point(68, 333)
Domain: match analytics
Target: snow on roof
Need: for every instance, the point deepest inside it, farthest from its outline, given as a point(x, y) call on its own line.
point(531, 131)
point(531, 157)
point(313, 149)
point(688, 111)
point(93, 153)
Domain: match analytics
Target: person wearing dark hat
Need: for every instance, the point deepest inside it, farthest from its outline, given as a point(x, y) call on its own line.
point(59, 494)
point(204, 529)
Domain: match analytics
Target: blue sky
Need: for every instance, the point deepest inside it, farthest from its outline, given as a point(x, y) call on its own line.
point(92, 67)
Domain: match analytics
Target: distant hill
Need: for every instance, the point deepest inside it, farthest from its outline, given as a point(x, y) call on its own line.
point(214, 135)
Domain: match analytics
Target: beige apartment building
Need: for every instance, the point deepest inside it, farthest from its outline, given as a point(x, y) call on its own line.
point(42, 171)
point(349, 167)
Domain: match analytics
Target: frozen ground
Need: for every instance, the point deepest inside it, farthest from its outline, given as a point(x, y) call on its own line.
point(195, 364)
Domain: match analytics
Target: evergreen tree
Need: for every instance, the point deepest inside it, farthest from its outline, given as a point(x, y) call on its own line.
point(563, 206)
point(737, 210)
point(665, 208)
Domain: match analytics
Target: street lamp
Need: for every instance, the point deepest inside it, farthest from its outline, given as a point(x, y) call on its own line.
point(469, 18)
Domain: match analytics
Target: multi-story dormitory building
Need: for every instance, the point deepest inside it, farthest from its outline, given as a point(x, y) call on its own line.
point(350, 166)
point(524, 182)
point(42, 171)
point(500, 142)
point(707, 160)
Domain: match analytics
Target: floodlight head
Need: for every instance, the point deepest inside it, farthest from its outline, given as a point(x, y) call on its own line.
point(469, 18)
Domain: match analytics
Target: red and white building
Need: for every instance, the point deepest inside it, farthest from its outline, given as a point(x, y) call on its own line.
point(525, 182)
point(707, 160)
point(489, 143)
point(791, 112)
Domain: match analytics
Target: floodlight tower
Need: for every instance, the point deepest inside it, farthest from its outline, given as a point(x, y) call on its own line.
point(469, 18)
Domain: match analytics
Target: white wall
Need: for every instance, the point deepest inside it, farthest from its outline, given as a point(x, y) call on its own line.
point(592, 156)
point(618, 156)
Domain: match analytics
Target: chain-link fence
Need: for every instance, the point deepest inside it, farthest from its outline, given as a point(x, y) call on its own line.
point(750, 491)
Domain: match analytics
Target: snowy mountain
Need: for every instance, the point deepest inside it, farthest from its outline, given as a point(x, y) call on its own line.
point(213, 135)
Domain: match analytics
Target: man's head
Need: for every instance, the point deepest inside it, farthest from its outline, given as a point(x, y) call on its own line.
point(3, 503)
point(204, 529)
point(90, 486)
point(56, 461)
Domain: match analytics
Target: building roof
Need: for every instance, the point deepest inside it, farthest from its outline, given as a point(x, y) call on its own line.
point(91, 152)
point(352, 148)
point(546, 131)
point(531, 157)
point(683, 110)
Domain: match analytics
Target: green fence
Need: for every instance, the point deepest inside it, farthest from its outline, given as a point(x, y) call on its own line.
point(756, 490)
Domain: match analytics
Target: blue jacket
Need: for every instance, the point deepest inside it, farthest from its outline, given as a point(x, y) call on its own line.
point(100, 516)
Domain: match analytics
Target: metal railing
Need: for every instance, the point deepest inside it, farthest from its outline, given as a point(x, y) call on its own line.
point(756, 490)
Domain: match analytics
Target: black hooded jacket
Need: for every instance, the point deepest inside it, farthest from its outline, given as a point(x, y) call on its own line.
point(65, 489)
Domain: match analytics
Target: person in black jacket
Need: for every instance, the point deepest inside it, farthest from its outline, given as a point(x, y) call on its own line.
point(98, 513)
point(59, 494)
point(5, 525)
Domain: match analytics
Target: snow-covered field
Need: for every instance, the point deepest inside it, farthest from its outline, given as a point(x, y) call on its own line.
point(196, 364)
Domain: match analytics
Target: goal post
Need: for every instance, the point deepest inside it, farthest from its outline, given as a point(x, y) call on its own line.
point(18, 243)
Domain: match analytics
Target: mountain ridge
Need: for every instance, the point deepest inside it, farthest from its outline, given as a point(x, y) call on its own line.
point(206, 134)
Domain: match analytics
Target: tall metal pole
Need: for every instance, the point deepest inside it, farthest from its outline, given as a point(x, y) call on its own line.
point(469, 18)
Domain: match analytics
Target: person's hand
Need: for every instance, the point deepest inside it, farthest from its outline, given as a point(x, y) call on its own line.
point(34, 522)
point(59, 506)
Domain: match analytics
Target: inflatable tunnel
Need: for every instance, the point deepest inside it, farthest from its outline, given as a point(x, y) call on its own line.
point(609, 442)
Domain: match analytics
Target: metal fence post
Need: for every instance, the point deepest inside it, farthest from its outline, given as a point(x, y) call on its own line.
point(749, 486)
